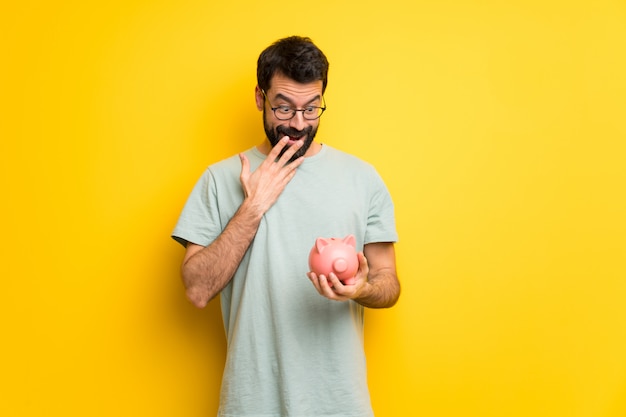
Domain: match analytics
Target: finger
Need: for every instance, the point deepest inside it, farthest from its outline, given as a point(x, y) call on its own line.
point(315, 281)
point(363, 265)
point(329, 291)
point(324, 285)
point(337, 285)
point(290, 171)
point(284, 159)
point(245, 169)
point(328, 286)
point(277, 149)
point(245, 164)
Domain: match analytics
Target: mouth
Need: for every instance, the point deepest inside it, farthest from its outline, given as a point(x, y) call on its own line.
point(293, 134)
point(294, 139)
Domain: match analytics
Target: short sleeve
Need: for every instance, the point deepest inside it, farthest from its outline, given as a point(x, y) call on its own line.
point(199, 222)
point(381, 224)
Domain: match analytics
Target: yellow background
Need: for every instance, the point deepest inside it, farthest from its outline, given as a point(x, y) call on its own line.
point(499, 128)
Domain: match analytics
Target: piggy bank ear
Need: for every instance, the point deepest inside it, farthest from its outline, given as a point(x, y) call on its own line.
point(321, 243)
point(350, 240)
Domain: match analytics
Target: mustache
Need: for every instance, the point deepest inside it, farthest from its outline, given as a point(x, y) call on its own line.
point(290, 131)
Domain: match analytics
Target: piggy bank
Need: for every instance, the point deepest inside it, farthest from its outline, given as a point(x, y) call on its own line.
point(335, 255)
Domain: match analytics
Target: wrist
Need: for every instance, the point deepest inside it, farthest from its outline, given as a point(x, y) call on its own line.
point(251, 210)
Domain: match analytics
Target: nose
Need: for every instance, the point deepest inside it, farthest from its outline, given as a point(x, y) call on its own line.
point(298, 121)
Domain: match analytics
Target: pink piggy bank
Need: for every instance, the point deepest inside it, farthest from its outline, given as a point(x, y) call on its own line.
point(335, 255)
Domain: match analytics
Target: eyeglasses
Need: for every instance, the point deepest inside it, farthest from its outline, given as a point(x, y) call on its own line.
point(287, 113)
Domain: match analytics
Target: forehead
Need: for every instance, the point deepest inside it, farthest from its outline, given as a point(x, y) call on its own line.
point(282, 85)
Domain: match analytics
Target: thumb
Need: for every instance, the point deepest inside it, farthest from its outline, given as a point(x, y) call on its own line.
point(245, 169)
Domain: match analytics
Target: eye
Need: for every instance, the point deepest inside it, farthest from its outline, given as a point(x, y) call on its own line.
point(284, 109)
point(310, 110)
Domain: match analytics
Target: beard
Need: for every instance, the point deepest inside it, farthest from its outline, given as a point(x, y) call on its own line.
point(275, 134)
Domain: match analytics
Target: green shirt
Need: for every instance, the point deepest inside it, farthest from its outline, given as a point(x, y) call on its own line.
point(292, 352)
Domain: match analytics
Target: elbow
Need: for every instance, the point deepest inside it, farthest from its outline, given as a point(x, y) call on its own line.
point(392, 297)
point(393, 301)
point(195, 292)
point(388, 303)
point(395, 297)
point(197, 298)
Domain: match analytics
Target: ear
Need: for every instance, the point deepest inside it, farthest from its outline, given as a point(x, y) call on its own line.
point(259, 98)
point(320, 243)
point(350, 240)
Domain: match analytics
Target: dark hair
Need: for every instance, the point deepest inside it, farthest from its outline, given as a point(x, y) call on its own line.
point(295, 57)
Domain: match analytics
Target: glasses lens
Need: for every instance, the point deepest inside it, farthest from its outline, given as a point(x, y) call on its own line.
point(313, 113)
point(284, 112)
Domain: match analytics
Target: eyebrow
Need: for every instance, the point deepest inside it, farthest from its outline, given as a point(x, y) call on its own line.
point(280, 96)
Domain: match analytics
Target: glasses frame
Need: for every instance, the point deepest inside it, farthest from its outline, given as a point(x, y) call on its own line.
point(294, 111)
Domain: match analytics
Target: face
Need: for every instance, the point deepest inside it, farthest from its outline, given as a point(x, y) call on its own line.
point(286, 92)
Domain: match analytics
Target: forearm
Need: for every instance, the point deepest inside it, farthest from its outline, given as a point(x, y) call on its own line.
point(206, 271)
point(381, 291)
point(209, 270)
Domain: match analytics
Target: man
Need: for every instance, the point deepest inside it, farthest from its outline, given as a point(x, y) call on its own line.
point(295, 346)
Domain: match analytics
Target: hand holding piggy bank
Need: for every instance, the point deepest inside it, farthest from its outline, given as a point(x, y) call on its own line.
point(337, 256)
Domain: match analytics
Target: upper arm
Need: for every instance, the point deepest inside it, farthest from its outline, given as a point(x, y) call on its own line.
point(381, 258)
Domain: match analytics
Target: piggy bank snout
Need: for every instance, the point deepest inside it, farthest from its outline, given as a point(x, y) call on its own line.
point(340, 265)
